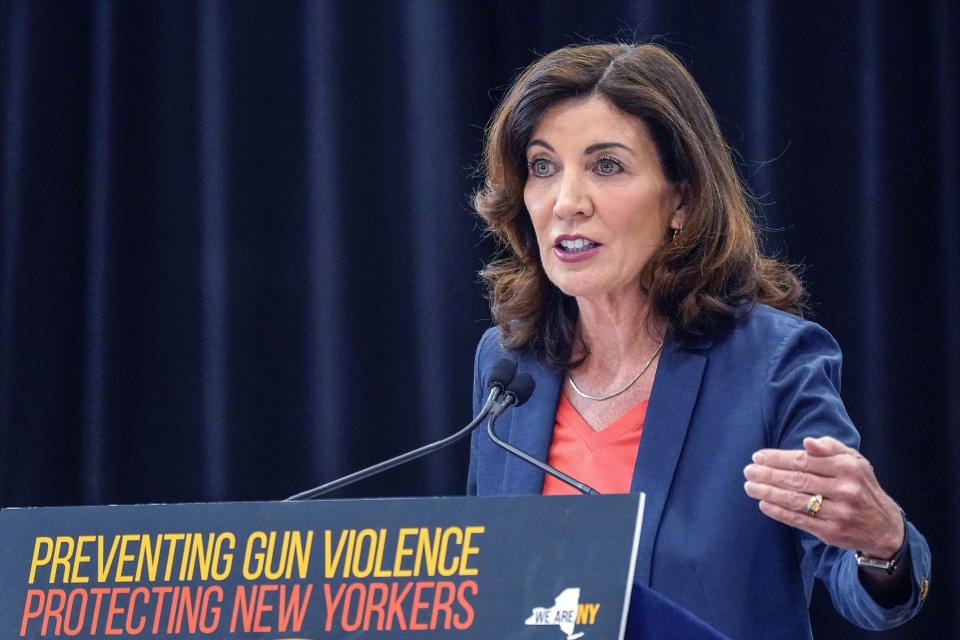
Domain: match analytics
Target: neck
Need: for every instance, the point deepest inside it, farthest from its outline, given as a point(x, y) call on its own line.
point(619, 333)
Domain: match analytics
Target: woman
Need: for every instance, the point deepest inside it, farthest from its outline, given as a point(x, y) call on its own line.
point(670, 356)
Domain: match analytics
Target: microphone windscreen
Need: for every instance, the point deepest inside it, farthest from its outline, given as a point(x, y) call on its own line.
point(522, 387)
point(502, 373)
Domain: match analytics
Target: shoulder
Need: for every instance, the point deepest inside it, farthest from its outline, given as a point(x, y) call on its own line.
point(765, 331)
point(488, 352)
point(767, 348)
point(489, 340)
point(488, 349)
point(762, 318)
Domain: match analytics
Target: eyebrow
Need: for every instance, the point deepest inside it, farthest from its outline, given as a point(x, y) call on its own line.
point(605, 145)
point(542, 143)
point(591, 149)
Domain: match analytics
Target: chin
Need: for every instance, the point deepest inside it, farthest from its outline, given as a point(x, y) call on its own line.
point(577, 287)
point(587, 288)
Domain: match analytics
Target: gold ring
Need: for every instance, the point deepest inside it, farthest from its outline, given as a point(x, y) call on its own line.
point(813, 506)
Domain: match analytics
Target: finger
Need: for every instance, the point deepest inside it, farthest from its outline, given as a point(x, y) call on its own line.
point(846, 461)
point(827, 446)
point(784, 498)
point(801, 481)
point(796, 460)
point(813, 525)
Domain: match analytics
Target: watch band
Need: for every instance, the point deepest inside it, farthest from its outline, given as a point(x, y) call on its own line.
point(874, 565)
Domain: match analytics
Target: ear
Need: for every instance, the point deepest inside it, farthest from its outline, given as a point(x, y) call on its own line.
point(681, 199)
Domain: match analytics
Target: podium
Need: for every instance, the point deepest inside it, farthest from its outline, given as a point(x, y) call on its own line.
point(512, 567)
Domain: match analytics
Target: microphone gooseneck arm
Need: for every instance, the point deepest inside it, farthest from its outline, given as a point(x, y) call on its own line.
point(356, 476)
point(556, 473)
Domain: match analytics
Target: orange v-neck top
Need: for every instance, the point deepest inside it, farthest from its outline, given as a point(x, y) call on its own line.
point(602, 459)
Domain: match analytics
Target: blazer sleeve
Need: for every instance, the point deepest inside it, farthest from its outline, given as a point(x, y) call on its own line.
point(803, 399)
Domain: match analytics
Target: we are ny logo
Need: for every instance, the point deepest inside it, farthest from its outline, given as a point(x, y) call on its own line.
point(566, 613)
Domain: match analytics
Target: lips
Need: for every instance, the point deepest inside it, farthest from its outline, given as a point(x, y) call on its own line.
point(575, 248)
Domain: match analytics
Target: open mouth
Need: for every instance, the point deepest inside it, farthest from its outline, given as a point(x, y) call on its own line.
point(576, 246)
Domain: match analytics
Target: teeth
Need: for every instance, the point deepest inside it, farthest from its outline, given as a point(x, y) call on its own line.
point(576, 245)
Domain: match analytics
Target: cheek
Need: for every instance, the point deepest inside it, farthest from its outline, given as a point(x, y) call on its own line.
point(538, 216)
point(529, 200)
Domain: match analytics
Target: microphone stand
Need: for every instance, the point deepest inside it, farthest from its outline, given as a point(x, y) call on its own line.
point(556, 473)
point(402, 458)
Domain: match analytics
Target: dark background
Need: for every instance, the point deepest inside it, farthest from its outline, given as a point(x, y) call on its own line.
point(237, 257)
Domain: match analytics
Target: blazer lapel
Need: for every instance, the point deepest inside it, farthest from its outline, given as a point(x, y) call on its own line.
point(672, 399)
point(529, 427)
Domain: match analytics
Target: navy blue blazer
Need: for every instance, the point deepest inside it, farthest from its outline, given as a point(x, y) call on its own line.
point(771, 381)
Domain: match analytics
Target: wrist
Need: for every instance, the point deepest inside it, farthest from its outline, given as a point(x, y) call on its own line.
point(885, 561)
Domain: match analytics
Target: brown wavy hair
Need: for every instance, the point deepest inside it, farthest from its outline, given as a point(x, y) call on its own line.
point(700, 283)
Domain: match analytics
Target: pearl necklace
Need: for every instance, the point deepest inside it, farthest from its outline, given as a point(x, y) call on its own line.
point(615, 393)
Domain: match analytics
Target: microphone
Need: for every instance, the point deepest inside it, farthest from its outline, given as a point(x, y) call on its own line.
point(502, 375)
point(518, 392)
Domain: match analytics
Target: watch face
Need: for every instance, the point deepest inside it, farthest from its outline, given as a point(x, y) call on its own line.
point(876, 566)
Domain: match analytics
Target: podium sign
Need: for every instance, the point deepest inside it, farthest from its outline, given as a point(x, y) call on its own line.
point(522, 567)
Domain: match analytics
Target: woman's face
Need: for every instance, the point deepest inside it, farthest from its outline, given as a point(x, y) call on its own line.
point(599, 203)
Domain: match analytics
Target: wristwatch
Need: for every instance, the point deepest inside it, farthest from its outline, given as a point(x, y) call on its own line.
point(873, 565)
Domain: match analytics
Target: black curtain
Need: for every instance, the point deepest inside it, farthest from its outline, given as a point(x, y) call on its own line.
point(237, 257)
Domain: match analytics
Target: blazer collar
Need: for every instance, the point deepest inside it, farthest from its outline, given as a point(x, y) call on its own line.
point(529, 427)
point(674, 394)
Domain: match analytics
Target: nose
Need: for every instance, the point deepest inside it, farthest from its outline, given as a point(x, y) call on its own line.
point(572, 198)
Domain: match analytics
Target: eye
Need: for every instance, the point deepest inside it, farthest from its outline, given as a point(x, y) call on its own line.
point(540, 167)
point(608, 166)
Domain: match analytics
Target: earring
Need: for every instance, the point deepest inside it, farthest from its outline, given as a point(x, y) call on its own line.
point(676, 232)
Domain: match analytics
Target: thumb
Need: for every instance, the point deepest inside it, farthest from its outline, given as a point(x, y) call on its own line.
point(824, 446)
